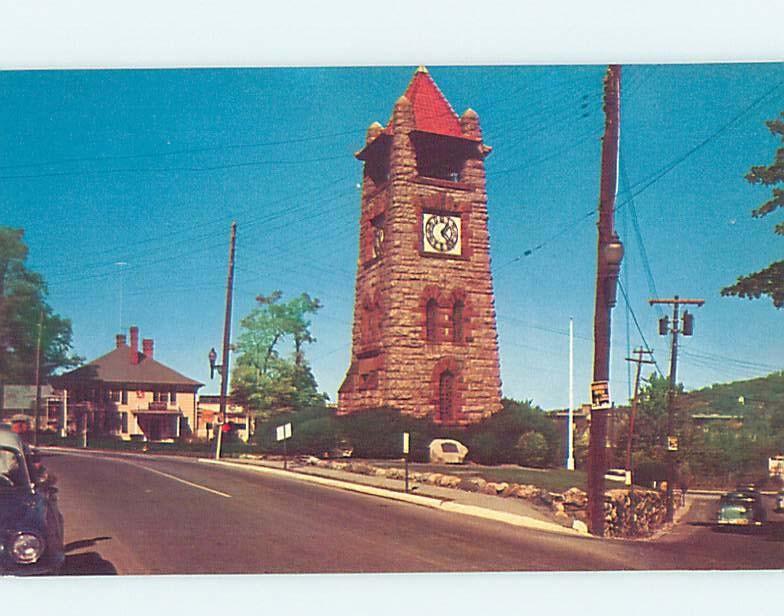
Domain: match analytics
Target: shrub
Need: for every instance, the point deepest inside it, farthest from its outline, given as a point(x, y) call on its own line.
point(495, 440)
point(314, 431)
point(316, 436)
point(532, 450)
point(484, 448)
point(378, 433)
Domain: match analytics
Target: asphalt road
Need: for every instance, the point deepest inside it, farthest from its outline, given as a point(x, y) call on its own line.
point(151, 516)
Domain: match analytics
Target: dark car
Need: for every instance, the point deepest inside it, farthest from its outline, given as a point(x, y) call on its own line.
point(31, 525)
point(741, 508)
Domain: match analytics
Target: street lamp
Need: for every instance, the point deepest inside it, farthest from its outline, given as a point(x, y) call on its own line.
point(213, 357)
point(612, 255)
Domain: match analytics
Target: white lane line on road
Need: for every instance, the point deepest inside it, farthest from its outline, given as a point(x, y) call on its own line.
point(146, 468)
point(175, 478)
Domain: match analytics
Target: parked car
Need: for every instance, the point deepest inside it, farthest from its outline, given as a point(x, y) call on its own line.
point(31, 525)
point(741, 508)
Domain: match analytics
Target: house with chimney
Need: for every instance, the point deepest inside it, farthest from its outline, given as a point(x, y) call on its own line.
point(127, 393)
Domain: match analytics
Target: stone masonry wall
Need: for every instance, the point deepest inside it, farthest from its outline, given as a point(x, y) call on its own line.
point(408, 365)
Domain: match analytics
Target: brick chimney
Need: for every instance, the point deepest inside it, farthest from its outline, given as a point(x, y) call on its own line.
point(120, 338)
point(147, 345)
point(134, 345)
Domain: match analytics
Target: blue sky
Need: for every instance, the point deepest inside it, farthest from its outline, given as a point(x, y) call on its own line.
point(149, 167)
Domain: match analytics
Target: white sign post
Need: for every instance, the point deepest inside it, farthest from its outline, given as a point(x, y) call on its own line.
point(218, 436)
point(283, 433)
point(406, 439)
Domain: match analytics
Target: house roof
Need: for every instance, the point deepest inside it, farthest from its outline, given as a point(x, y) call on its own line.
point(116, 367)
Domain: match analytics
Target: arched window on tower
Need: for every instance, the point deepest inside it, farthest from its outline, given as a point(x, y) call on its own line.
point(431, 318)
point(457, 321)
point(446, 396)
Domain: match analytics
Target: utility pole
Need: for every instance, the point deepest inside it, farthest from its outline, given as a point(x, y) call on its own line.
point(226, 337)
point(673, 329)
point(609, 257)
point(639, 361)
point(38, 376)
point(570, 418)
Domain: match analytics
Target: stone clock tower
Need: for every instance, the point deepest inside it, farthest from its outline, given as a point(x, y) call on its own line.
point(424, 336)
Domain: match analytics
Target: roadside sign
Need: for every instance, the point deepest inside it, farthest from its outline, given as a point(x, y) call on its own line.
point(600, 395)
point(672, 443)
point(405, 442)
point(283, 432)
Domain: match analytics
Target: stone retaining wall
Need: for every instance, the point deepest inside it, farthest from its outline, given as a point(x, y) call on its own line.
point(626, 515)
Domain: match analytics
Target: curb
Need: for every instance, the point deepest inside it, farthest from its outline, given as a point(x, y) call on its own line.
point(414, 499)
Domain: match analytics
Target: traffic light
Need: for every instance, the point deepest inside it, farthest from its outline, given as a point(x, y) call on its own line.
point(688, 323)
point(664, 326)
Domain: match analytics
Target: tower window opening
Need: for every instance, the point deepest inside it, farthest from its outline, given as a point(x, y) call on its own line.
point(446, 395)
point(377, 166)
point(431, 315)
point(440, 159)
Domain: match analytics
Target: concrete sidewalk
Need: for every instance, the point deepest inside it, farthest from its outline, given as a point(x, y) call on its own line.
point(514, 511)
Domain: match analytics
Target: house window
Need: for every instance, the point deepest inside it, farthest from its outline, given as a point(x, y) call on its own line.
point(160, 396)
point(446, 395)
point(431, 316)
point(124, 398)
point(173, 396)
point(124, 422)
point(114, 395)
point(457, 321)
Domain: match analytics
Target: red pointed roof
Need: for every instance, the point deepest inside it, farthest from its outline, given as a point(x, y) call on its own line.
point(432, 112)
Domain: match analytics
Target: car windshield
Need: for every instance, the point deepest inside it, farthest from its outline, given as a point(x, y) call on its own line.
point(12, 470)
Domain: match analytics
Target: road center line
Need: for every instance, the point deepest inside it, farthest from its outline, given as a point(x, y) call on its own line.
point(146, 468)
point(175, 478)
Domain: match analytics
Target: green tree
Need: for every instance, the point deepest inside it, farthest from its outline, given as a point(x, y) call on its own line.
point(266, 378)
point(770, 280)
point(22, 307)
point(650, 425)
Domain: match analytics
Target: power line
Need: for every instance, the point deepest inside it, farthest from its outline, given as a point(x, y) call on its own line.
point(255, 163)
point(193, 150)
point(640, 243)
point(651, 179)
point(639, 329)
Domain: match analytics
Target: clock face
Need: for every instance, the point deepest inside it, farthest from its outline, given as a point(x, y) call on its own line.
point(441, 234)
